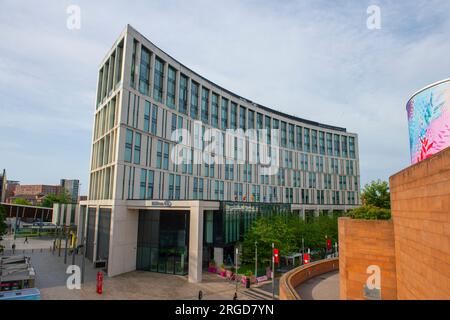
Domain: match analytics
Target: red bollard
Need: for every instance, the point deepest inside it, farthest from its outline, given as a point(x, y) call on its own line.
point(99, 282)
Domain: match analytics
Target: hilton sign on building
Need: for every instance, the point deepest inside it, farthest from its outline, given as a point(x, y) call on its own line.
point(150, 210)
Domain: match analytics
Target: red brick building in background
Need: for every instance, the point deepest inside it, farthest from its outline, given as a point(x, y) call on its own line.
point(34, 193)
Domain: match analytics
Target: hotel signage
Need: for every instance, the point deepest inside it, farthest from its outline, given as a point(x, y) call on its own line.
point(165, 203)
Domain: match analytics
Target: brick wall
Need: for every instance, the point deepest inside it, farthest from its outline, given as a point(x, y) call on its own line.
point(420, 200)
point(363, 243)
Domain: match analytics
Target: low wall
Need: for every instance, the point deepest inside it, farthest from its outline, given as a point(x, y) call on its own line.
point(363, 243)
point(292, 279)
point(420, 201)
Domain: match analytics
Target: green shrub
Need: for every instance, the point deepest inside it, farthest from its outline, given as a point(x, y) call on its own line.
point(370, 212)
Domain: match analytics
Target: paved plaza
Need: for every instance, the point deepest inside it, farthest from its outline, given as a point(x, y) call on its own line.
point(51, 278)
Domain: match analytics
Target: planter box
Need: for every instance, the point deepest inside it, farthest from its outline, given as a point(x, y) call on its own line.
point(212, 269)
point(222, 273)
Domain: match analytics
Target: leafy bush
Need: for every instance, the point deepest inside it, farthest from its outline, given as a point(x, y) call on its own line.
point(370, 212)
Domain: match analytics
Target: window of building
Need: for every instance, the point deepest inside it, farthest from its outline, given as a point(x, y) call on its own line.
point(314, 141)
point(283, 134)
point(154, 119)
point(344, 146)
point(147, 109)
point(205, 105)
point(215, 110)
point(159, 148)
point(321, 142)
point(183, 94)
point(137, 149)
point(158, 80)
point(306, 140)
point(291, 136)
point(337, 146)
point(128, 145)
point(171, 87)
point(143, 184)
point(329, 144)
point(150, 180)
point(351, 145)
point(242, 111)
point(233, 118)
point(299, 139)
point(194, 100)
point(224, 113)
point(144, 71)
point(171, 186)
point(133, 64)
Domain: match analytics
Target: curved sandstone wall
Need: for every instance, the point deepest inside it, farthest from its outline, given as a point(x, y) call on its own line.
point(297, 276)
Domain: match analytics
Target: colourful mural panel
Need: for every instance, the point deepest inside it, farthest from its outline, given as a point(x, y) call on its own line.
point(429, 121)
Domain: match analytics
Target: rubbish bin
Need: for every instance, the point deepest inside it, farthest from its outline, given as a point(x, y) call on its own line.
point(247, 282)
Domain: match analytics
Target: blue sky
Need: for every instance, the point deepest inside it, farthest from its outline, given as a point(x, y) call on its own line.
point(314, 59)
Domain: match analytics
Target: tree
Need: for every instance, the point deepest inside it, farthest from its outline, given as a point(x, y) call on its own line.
point(265, 231)
point(3, 225)
point(370, 212)
point(51, 199)
point(21, 201)
point(377, 194)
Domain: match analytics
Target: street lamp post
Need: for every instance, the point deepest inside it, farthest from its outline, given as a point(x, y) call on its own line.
point(256, 258)
point(273, 272)
point(236, 271)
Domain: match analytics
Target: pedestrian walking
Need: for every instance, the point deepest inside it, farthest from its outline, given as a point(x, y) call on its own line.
point(26, 240)
point(200, 295)
point(235, 296)
point(13, 247)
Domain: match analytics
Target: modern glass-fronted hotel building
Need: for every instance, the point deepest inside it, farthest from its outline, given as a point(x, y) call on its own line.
point(150, 210)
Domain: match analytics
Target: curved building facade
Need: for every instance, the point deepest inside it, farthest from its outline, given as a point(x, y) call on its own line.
point(429, 120)
point(156, 199)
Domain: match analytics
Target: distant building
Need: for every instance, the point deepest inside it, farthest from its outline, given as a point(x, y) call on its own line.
point(34, 193)
point(3, 186)
point(11, 186)
point(72, 187)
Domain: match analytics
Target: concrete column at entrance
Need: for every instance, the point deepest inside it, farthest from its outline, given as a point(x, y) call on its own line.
point(303, 214)
point(316, 212)
point(218, 256)
point(195, 244)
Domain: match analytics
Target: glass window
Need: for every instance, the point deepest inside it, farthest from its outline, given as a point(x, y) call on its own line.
point(128, 145)
point(183, 94)
point(159, 148)
point(171, 85)
point(171, 186)
point(194, 100)
point(143, 184)
point(283, 134)
point(154, 119)
point(158, 80)
point(137, 149)
point(306, 140)
point(166, 156)
point(233, 118)
point(251, 119)
point(299, 139)
point(314, 141)
point(144, 71)
point(291, 136)
point(337, 147)
point(224, 113)
point(147, 116)
point(329, 144)
point(344, 146)
point(133, 64)
point(242, 117)
point(150, 179)
point(215, 110)
point(321, 142)
point(351, 143)
point(205, 105)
